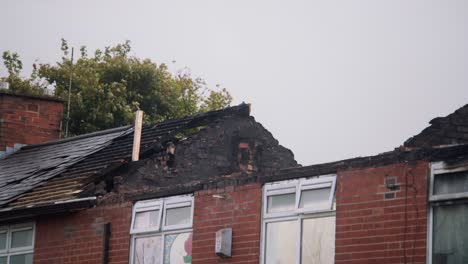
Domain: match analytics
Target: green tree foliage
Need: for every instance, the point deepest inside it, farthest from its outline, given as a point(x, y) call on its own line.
point(109, 86)
point(17, 84)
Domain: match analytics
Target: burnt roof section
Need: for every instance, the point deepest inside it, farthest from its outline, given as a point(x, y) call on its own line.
point(449, 130)
point(450, 155)
point(69, 183)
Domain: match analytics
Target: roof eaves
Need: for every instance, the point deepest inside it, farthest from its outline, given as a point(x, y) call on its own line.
point(9, 214)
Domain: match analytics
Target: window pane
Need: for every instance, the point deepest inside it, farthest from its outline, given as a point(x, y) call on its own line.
point(22, 259)
point(2, 241)
point(318, 240)
point(281, 203)
point(147, 250)
point(316, 198)
point(21, 238)
point(281, 242)
point(451, 183)
point(148, 219)
point(178, 216)
point(178, 248)
point(450, 239)
point(3, 260)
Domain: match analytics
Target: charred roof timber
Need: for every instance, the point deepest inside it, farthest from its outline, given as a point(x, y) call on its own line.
point(75, 166)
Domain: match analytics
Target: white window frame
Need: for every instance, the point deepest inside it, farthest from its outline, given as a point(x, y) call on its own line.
point(298, 214)
point(9, 229)
point(442, 168)
point(313, 184)
point(146, 206)
point(177, 202)
point(4, 230)
point(162, 204)
point(439, 168)
point(278, 188)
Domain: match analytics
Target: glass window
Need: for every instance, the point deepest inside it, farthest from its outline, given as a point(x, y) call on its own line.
point(3, 238)
point(299, 234)
point(16, 244)
point(449, 214)
point(145, 220)
point(21, 259)
point(315, 198)
point(281, 242)
point(281, 203)
point(450, 245)
point(318, 240)
point(449, 183)
point(21, 238)
point(178, 215)
point(152, 243)
point(147, 250)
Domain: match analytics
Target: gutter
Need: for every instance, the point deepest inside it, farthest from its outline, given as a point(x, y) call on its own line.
point(8, 214)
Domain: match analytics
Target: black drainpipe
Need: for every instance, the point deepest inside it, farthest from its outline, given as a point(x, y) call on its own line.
point(105, 243)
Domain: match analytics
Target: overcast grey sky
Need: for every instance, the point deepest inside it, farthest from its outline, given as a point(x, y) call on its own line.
point(330, 79)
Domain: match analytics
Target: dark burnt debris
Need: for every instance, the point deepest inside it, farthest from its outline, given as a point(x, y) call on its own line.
point(231, 146)
point(209, 150)
point(448, 130)
point(175, 154)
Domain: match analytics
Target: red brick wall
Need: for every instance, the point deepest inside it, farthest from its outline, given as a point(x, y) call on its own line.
point(28, 120)
point(78, 237)
point(371, 229)
point(241, 211)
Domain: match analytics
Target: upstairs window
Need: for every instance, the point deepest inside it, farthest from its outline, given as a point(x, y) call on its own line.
point(448, 198)
point(299, 221)
point(162, 231)
point(17, 244)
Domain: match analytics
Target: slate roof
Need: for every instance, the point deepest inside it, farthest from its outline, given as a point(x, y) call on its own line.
point(59, 171)
point(32, 166)
point(449, 130)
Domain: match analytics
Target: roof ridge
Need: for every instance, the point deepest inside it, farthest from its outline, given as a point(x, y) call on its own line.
point(240, 107)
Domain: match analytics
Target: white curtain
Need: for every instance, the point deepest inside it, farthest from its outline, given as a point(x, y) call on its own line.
point(450, 234)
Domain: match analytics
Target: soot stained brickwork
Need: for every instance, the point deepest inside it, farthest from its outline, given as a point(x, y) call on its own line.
point(235, 145)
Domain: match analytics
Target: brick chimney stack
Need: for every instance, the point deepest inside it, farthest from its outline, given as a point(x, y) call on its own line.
point(26, 120)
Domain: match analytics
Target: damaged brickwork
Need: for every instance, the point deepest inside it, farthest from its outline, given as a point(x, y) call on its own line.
point(228, 146)
point(224, 157)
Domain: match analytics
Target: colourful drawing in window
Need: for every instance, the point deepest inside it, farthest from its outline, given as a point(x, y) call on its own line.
point(178, 248)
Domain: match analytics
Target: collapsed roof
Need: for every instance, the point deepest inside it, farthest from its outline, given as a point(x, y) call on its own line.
point(448, 130)
point(57, 171)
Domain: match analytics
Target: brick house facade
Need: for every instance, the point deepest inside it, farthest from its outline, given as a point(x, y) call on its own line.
point(227, 171)
point(377, 224)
